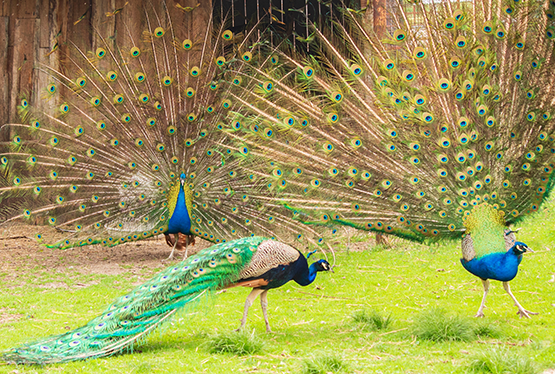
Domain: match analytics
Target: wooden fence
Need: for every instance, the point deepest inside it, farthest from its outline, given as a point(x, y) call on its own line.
point(34, 32)
point(37, 31)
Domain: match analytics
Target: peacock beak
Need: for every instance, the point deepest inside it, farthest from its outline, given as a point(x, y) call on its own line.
point(529, 250)
point(331, 269)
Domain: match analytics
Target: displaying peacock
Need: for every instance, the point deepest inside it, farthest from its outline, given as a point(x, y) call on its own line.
point(128, 142)
point(440, 129)
point(254, 262)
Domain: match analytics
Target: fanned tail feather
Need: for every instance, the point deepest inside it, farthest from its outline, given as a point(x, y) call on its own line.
point(99, 157)
point(405, 134)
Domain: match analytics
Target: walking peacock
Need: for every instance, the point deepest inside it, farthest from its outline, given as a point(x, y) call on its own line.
point(127, 141)
point(254, 262)
point(441, 129)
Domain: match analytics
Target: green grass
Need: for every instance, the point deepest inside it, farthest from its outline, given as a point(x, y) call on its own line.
point(236, 343)
point(314, 325)
point(485, 328)
point(372, 320)
point(435, 325)
point(324, 363)
point(502, 361)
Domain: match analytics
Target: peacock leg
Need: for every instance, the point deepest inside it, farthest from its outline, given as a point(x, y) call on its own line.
point(186, 247)
point(480, 312)
point(521, 311)
point(176, 238)
point(250, 299)
point(264, 305)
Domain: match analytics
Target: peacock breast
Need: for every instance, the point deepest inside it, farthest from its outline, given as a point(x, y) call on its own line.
point(180, 220)
point(497, 266)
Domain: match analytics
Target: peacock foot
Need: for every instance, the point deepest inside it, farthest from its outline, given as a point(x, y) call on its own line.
point(525, 313)
point(480, 314)
point(169, 259)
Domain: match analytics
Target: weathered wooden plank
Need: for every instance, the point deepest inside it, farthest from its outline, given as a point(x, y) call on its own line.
point(60, 14)
point(5, 7)
point(48, 22)
point(49, 50)
point(23, 60)
point(129, 23)
point(380, 17)
point(103, 22)
point(79, 24)
point(4, 72)
point(19, 8)
point(24, 9)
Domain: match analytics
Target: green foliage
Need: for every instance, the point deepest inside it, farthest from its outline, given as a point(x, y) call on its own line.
point(324, 363)
point(372, 320)
point(502, 361)
point(435, 325)
point(237, 343)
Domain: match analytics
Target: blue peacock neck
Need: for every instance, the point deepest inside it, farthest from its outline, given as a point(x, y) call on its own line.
point(179, 202)
point(307, 276)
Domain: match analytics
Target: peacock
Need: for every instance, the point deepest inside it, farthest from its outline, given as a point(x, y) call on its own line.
point(499, 266)
point(255, 262)
point(438, 128)
point(127, 141)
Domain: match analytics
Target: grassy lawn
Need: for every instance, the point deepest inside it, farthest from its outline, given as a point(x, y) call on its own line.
point(405, 309)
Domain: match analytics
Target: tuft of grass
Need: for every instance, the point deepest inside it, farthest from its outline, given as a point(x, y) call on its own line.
point(502, 361)
point(324, 363)
point(238, 343)
point(437, 326)
point(486, 329)
point(372, 320)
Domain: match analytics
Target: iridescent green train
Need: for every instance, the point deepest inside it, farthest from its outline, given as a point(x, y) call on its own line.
point(249, 262)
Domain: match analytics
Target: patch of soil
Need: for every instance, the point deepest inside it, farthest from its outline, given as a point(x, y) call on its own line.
point(20, 253)
point(7, 315)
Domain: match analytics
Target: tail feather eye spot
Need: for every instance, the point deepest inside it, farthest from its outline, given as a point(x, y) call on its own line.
point(135, 52)
point(308, 71)
point(399, 35)
point(247, 56)
point(220, 61)
point(389, 64)
point(167, 81)
point(159, 32)
point(187, 44)
point(111, 76)
point(356, 70)
point(100, 52)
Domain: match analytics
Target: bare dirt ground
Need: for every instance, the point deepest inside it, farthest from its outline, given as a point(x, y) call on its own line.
point(19, 251)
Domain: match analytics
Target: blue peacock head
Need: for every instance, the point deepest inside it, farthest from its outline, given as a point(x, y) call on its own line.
point(323, 265)
point(520, 248)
